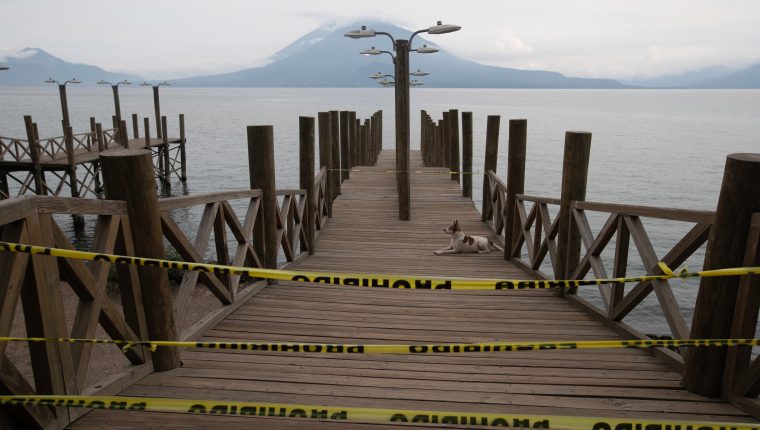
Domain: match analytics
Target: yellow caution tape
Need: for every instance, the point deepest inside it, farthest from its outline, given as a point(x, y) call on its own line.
point(360, 414)
point(368, 280)
point(421, 348)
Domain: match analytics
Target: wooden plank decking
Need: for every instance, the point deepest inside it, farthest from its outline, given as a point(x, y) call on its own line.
point(366, 236)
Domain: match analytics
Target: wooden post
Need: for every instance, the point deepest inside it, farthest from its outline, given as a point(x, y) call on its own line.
point(147, 134)
point(135, 127)
point(716, 300)
point(335, 145)
point(439, 145)
point(445, 140)
point(353, 141)
point(157, 107)
point(490, 162)
point(123, 133)
point(423, 148)
point(454, 142)
point(516, 148)
point(325, 156)
point(467, 154)
point(166, 173)
point(574, 178)
point(68, 139)
point(367, 142)
point(128, 176)
point(379, 131)
point(345, 148)
point(371, 141)
point(101, 147)
point(306, 161)
point(34, 154)
point(182, 153)
point(261, 170)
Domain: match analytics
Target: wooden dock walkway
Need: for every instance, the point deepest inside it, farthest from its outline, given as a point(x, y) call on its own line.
point(365, 235)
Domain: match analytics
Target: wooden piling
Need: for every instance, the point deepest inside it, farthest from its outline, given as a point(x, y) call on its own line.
point(574, 179)
point(306, 182)
point(34, 154)
point(166, 172)
point(182, 153)
point(446, 141)
point(353, 140)
point(325, 156)
point(440, 145)
point(367, 143)
point(71, 166)
point(135, 127)
point(139, 193)
point(467, 154)
point(423, 148)
point(492, 157)
point(335, 145)
point(157, 107)
point(345, 148)
point(262, 176)
point(147, 133)
point(123, 134)
point(716, 301)
point(454, 144)
point(516, 149)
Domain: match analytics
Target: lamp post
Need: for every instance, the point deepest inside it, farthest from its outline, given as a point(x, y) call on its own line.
point(3, 68)
point(402, 47)
point(156, 105)
point(115, 89)
point(64, 99)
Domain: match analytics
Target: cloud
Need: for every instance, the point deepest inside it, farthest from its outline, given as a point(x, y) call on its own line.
point(510, 44)
point(5, 53)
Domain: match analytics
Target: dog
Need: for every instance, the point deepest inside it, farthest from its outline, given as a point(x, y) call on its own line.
point(462, 243)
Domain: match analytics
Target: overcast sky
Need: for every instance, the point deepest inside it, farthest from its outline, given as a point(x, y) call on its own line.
point(619, 39)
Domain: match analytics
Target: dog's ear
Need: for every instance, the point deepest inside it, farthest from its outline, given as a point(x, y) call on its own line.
point(456, 224)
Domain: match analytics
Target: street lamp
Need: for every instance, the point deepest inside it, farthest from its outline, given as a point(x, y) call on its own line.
point(115, 89)
point(157, 105)
point(401, 63)
point(419, 73)
point(64, 99)
point(416, 83)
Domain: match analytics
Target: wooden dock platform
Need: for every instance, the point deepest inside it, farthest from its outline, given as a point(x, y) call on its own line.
point(365, 235)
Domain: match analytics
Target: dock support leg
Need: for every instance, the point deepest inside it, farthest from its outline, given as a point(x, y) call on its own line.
point(345, 146)
point(182, 153)
point(454, 144)
point(72, 171)
point(467, 154)
point(574, 179)
point(166, 164)
point(306, 182)
point(262, 176)
point(716, 301)
point(139, 193)
point(518, 132)
point(335, 145)
point(325, 156)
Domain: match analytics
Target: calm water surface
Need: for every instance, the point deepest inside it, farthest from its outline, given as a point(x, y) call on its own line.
point(662, 148)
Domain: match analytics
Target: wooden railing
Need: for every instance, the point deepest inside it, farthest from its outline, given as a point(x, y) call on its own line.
point(50, 291)
point(535, 242)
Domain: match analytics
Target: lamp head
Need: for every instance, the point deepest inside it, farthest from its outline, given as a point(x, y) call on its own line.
point(164, 83)
point(371, 51)
point(384, 82)
point(73, 81)
point(441, 28)
point(362, 32)
point(419, 73)
point(102, 82)
point(125, 82)
point(426, 50)
point(51, 81)
point(377, 75)
point(145, 84)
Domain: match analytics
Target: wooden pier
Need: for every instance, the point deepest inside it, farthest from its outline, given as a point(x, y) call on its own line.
point(363, 234)
point(50, 166)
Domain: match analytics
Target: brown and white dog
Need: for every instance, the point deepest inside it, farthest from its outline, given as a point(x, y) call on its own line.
point(462, 243)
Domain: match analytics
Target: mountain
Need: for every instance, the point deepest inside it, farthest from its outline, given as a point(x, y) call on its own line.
point(32, 66)
point(325, 58)
point(683, 80)
point(745, 78)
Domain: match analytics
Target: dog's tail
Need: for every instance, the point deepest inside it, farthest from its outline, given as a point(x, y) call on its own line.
point(491, 243)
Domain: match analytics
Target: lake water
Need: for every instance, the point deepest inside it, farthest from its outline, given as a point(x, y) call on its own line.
point(663, 148)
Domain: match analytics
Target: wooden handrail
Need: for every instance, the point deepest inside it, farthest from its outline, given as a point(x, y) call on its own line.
point(673, 214)
point(290, 192)
point(538, 199)
point(200, 199)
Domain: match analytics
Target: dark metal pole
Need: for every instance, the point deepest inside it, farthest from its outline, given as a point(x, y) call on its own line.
point(402, 128)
